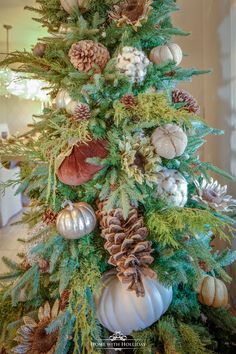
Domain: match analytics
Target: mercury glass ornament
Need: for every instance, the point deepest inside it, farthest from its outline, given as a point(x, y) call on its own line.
point(76, 220)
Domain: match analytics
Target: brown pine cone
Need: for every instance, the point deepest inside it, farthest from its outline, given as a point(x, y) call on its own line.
point(129, 101)
point(43, 265)
point(64, 300)
point(129, 251)
point(182, 96)
point(49, 217)
point(85, 54)
point(39, 49)
point(82, 112)
point(25, 265)
point(204, 266)
point(3, 350)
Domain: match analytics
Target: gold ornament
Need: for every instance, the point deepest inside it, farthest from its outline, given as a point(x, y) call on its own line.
point(131, 12)
point(63, 99)
point(212, 292)
point(76, 220)
point(32, 337)
point(139, 159)
point(167, 52)
point(70, 5)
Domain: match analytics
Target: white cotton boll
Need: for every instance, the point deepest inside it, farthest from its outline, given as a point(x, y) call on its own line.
point(133, 63)
point(172, 188)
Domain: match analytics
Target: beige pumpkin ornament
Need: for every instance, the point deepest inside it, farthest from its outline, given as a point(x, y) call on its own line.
point(212, 292)
point(76, 220)
point(166, 52)
point(170, 141)
point(121, 310)
point(70, 5)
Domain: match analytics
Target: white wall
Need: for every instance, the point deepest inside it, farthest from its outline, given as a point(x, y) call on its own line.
point(210, 47)
point(17, 113)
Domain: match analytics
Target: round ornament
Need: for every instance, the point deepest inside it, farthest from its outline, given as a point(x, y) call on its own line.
point(166, 52)
point(172, 187)
point(70, 5)
point(75, 170)
point(212, 292)
point(170, 141)
point(121, 310)
point(63, 99)
point(133, 63)
point(76, 220)
point(72, 106)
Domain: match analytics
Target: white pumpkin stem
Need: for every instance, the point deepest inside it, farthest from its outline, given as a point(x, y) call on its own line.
point(69, 203)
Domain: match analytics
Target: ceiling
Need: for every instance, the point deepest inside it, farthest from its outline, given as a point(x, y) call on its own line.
point(25, 31)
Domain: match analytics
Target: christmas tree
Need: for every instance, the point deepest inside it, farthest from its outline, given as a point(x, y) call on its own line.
point(123, 211)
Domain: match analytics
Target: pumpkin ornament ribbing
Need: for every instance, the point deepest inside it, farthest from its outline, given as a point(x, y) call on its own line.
point(126, 242)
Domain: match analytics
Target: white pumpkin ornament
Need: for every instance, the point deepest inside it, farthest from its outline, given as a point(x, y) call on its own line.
point(172, 187)
point(76, 220)
point(166, 52)
point(170, 141)
point(70, 5)
point(121, 310)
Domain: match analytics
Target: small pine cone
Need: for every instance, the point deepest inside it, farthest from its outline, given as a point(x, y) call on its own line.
point(39, 50)
point(130, 252)
point(170, 74)
point(204, 266)
point(43, 265)
point(49, 217)
point(25, 265)
point(129, 101)
point(182, 96)
point(82, 112)
point(3, 350)
point(64, 300)
point(85, 54)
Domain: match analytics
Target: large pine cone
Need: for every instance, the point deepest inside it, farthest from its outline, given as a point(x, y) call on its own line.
point(129, 251)
point(85, 54)
point(190, 104)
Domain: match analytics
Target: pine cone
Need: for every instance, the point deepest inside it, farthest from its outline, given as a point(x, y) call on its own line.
point(82, 112)
point(182, 96)
point(85, 54)
point(43, 265)
point(64, 300)
point(39, 50)
point(25, 265)
point(129, 101)
point(203, 265)
point(3, 350)
point(49, 217)
point(129, 251)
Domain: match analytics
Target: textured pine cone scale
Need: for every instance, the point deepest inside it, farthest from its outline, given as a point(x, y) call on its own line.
point(126, 242)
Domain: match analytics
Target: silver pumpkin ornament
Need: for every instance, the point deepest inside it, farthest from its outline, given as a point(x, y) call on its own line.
point(76, 220)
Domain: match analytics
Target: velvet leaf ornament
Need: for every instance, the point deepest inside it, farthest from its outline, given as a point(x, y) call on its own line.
point(75, 170)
